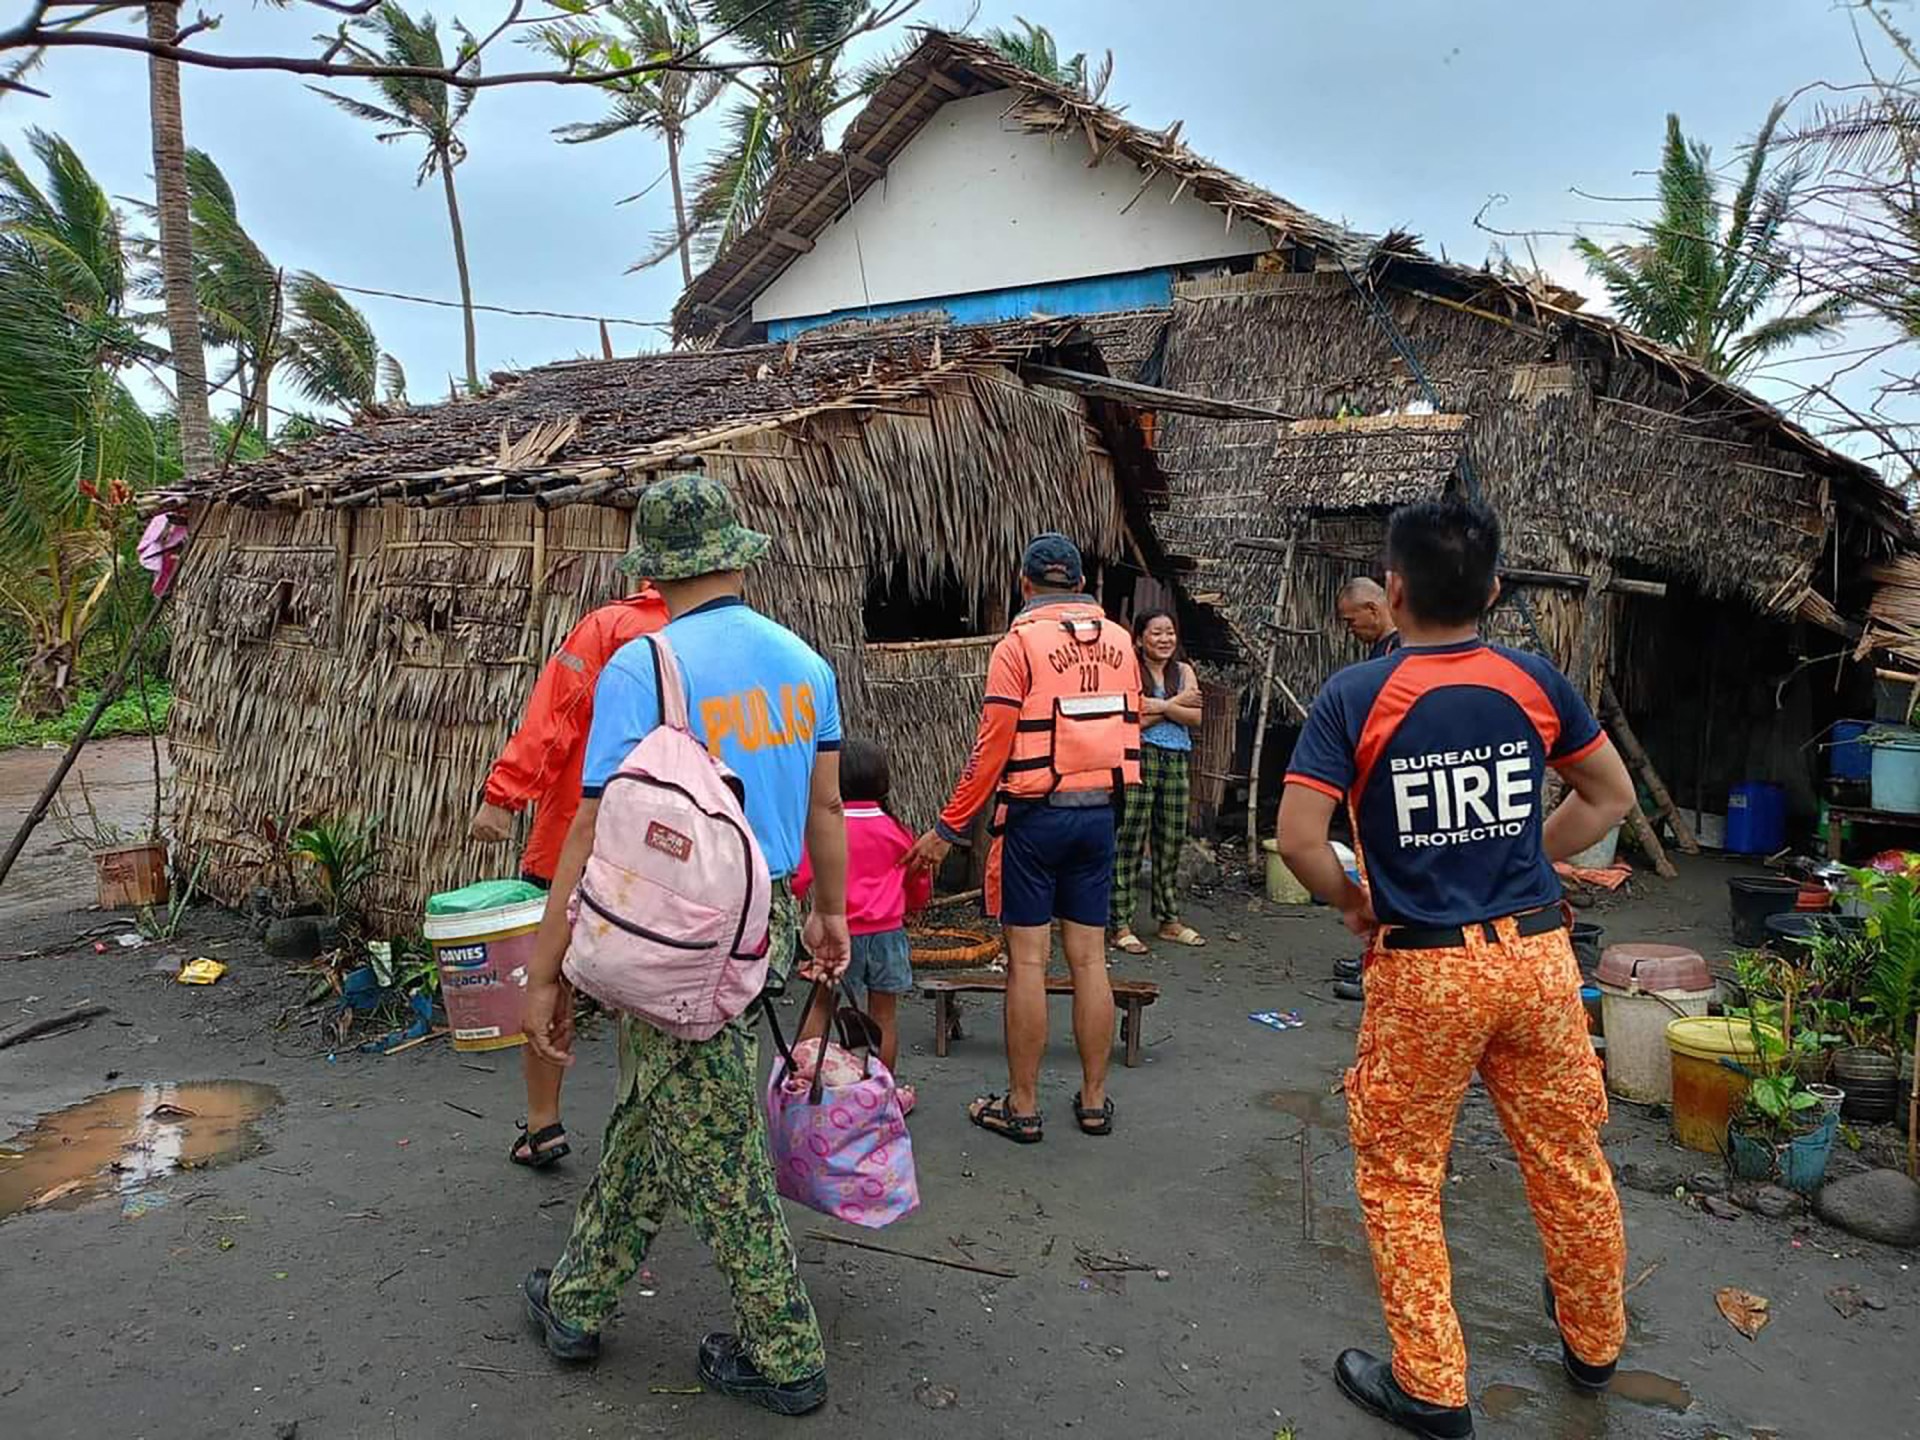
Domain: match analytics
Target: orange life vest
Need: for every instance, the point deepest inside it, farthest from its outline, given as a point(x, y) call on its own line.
point(1079, 725)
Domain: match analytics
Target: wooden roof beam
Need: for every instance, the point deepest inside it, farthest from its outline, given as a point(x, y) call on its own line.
point(834, 187)
point(1148, 397)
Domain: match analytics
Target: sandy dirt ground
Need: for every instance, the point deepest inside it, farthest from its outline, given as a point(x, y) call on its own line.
point(354, 1271)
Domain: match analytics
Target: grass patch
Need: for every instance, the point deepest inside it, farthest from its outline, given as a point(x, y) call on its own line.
point(126, 716)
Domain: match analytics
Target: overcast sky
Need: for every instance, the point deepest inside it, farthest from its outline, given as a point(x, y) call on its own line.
point(1380, 113)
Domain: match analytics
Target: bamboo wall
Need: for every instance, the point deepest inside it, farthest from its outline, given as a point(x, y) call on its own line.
point(371, 662)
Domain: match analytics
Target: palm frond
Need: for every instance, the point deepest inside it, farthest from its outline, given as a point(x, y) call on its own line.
point(393, 381)
point(331, 352)
point(1817, 322)
point(360, 110)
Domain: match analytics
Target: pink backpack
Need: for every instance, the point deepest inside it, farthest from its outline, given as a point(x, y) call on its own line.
point(670, 918)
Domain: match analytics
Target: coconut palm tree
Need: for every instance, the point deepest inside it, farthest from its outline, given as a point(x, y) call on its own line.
point(1702, 276)
point(1033, 47)
point(662, 102)
point(332, 354)
point(74, 444)
point(268, 323)
point(170, 185)
point(422, 109)
point(782, 118)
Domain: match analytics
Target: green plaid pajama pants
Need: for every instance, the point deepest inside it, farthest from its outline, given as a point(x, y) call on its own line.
point(1156, 812)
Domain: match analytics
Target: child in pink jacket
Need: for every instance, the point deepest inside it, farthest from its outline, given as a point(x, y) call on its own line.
point(881, 893)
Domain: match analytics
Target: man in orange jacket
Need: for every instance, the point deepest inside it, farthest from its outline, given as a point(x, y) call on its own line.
point(1058, 744)
point(541, 766)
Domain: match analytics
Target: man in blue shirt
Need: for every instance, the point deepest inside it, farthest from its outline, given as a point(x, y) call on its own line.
point(1439, 751)
point(687, 1132)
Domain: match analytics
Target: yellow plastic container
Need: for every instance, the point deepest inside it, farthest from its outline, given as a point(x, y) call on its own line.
point(1707, 1086)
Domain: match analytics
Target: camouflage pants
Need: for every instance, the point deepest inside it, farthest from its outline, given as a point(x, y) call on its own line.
point(688, 1135)
point(1511, 1009)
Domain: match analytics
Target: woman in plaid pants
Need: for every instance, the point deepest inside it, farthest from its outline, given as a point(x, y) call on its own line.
point(1156, 808)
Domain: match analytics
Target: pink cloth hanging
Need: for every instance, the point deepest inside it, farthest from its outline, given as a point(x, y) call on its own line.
point(160, 548)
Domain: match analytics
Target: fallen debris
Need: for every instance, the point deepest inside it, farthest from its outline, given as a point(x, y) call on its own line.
point(200, 971)
point(849, 1241)
point(48, 1024)
point(1744, 1310)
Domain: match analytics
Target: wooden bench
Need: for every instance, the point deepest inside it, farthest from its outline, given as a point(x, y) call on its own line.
point(1131, 997)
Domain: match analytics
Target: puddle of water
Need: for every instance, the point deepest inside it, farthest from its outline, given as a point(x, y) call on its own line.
point(1643, 1387)
point(1314, 1107)
point(123, 1140)
point(1503, 1402)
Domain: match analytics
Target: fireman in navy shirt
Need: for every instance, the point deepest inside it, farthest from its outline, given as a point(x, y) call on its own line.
point(1439, 750)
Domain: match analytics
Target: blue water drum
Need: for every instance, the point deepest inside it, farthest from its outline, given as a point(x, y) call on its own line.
point(1848, 756)
point(1756, 819)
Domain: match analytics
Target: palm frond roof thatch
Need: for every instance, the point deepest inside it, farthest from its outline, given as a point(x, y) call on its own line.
point(557, 428)
point(1369, 462)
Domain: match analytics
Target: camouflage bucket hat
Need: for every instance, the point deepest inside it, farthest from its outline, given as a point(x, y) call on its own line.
point(685, 526)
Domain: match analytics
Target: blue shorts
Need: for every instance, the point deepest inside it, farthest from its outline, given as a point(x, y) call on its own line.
point(881, 964)
point(1056, 863)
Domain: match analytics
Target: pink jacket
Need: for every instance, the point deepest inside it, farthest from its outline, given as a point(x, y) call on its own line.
point(880, 892)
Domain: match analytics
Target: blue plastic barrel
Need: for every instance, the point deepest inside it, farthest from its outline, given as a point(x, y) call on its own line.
point(1848, 756)
point(1756, 819)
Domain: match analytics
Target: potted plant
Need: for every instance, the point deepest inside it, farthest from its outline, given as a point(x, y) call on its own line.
point(1783, 1132)
point(130, 866)
point(1888, 994)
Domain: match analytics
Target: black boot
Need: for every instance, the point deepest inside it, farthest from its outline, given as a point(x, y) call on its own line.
point(1350, 989)
point(1590, 1378)
point(725, 1366)
point(564, 1341)
point(1346, 969)
point(1368, 1382)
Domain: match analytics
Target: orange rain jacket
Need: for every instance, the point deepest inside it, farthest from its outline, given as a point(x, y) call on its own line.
point(542, 762)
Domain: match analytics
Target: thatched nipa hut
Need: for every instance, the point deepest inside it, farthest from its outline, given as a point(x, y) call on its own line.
point(362, 616)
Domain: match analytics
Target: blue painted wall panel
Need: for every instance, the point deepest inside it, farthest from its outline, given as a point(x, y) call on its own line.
point(1094, 296)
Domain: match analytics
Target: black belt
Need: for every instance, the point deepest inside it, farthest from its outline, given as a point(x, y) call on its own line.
point(1419, 937)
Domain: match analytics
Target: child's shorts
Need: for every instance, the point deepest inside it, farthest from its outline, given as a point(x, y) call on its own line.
point(882, 964)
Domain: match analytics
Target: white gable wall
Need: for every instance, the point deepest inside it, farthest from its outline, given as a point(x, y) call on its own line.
point(975, 202)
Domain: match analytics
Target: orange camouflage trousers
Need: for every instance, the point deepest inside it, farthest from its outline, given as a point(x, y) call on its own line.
point(1510, 1008)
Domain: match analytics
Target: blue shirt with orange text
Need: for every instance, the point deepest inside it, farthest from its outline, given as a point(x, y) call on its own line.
point(1439, 752)
point(758, 697)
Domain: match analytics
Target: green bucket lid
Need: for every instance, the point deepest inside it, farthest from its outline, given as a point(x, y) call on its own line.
point(484, 895)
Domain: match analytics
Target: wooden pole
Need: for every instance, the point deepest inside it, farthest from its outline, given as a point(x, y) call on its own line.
point(1282, 593)
point(1665, 809)
point(109, 692)
point(1913, 1108)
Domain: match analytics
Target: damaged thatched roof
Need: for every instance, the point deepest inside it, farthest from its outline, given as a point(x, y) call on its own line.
point(1552, 312)
point(554, 431)
point(1368, 462)
point(946, 67)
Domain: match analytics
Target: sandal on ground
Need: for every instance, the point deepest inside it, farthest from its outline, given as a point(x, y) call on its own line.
point(540, 1149)
point(1131, 943)
point(1184, 935)
point(1093, 1122)
point(990, 1113)
point(908, 1098)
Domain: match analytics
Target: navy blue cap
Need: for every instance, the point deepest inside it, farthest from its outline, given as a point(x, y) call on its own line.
point(1052, 560)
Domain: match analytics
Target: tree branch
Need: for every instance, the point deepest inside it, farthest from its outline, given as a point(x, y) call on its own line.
point(33, 33)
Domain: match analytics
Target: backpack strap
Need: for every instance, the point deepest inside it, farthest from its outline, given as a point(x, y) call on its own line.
point(668, 684)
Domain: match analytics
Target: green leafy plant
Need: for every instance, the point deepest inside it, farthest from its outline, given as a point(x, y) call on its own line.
point(344, 854)
point(155, 926)
point(1891, 987)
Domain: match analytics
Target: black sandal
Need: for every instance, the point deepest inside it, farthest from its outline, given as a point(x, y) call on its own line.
point(1093, 1122)
point(536, 1157)
point(990, 1113)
